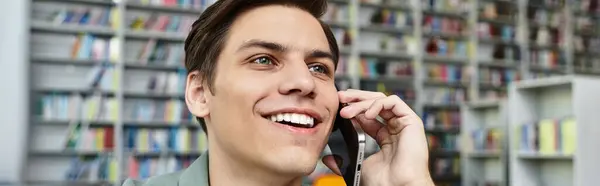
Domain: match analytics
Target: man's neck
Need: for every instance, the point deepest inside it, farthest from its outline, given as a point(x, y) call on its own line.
point(226, 170)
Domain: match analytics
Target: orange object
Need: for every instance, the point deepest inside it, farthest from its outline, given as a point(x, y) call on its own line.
point(329, 180)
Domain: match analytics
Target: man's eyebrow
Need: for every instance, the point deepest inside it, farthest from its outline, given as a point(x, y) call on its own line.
point(263, 44)
point(315, 53)
point(320, 54)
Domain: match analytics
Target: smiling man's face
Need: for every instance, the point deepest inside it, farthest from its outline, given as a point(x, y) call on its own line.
point(275, 99)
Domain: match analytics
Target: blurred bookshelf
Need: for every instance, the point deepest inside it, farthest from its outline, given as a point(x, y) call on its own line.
point(100, 64)
point(485, 148)
point(551, 122)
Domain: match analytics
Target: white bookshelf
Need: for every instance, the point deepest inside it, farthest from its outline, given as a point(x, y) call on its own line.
point(483, 163)
point(555, 98)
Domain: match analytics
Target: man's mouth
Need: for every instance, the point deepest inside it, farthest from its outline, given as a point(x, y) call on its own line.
point(293, 119)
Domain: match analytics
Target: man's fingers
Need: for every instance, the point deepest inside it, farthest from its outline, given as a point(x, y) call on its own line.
point(333, 162)
point(370, 126)
point(353, 95)
point(391, 103)
point(374, 128)
point(354, 109)
point(386, 107)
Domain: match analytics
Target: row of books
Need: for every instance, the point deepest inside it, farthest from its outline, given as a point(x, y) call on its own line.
point(159, 52)
point(87, 46)
point(96, 169)
point(160, 22)
point(457, 6)
point(433, 24)
point(192, 4)
point(343, 37)
point(394, 44)
point(498, 51)
point(102, 76)
point(548, 136)
point(496, 9)
point(84, 16)
point(446, 47)
point(449, 166)
point(144, 168)
point(398, 19)
point(545, 36)
point(337, 13)
point(586, 44)
point(445, 119)
point(548, 59)
point(544, 16)
point(184, 140)
point(492, 31)
point(171, 83)
point(590, 6)
point(374, 68)
point(486, 139)
point(444, 142)
point(448, 73)
point(81, 46)
point(76, 107)
point(169, 111)
point(584, 24)
point(83, 138)
point(497, 77)
point(444, 95)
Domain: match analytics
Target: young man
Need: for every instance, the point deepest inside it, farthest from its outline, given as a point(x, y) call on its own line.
point(261, 78)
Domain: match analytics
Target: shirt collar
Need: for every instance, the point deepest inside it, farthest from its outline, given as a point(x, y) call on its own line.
point(197, 173)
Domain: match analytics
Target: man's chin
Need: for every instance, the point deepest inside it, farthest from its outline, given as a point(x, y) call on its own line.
point(297, 163)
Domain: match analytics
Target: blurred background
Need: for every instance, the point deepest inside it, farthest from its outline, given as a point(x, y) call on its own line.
point(92, 90)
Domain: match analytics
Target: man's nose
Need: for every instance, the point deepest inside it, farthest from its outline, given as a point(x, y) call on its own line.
point(297, 79)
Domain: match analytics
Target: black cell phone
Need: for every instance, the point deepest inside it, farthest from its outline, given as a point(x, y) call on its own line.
point(352, 150)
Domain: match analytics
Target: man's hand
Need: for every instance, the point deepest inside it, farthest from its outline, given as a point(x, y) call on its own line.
point(403, 159)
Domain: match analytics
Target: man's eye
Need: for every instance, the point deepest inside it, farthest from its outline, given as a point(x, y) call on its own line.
point(263, 61)
point(319, 69)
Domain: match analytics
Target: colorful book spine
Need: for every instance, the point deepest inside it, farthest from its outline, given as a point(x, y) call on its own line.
point(445, 95)
point(92, 170)
point(441, 119)
point(181, 140)
point(486, 139)
point(549, 136)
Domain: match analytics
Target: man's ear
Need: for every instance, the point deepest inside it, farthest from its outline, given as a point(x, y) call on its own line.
point(196, 94)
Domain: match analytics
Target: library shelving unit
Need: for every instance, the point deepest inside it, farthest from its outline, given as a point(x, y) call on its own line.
point(485, 143)
point(107, 84)
point(553, 131)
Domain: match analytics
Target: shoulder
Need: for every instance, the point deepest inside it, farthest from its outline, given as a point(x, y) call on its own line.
point(167, 179)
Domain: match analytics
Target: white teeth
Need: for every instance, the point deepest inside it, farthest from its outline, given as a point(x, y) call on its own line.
point(293, 118)
point(303, 119)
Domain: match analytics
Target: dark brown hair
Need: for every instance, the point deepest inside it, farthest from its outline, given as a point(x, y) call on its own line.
point(209, 33)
